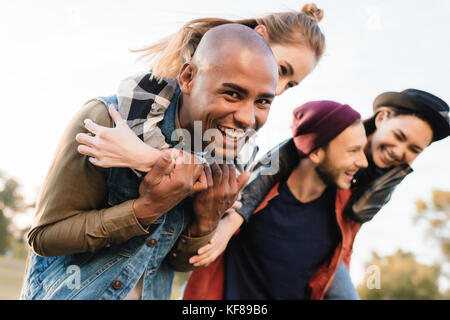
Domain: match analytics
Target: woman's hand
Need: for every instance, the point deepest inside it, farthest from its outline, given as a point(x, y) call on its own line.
point(116, 147)
point(228, 225)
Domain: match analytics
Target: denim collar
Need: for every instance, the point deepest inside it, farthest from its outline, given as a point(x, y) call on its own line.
point(167, 125)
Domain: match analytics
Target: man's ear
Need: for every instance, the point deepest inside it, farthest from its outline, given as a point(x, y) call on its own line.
point(186, 77)
point(317, 155)
point(262, 30)
point(383, 113)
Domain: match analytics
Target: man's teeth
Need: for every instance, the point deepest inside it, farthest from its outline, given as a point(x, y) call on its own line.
point(231, 133)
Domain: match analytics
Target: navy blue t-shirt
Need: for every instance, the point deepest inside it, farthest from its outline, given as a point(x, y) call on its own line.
point(282, 246)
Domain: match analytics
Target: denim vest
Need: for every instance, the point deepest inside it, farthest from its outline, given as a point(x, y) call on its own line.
point(112, 272)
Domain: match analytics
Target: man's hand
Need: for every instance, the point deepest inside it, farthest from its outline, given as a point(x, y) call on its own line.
point(223, 190)
point(167, 184)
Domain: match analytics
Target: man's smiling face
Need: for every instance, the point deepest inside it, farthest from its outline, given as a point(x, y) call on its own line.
point(230, 94)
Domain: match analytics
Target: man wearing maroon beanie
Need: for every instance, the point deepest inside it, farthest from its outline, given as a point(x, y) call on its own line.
point(295, 229)
point(315, 125)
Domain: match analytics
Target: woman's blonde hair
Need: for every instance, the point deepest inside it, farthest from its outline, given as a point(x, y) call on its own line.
point(286, 28)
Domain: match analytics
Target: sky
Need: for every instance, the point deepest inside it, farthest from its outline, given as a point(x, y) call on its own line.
point(56, 55)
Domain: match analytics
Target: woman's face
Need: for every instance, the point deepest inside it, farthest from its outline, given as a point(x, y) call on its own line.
point(398, 139)
point(295, 62)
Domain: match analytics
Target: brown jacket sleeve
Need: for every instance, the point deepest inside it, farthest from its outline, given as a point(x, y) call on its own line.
point(70, 215)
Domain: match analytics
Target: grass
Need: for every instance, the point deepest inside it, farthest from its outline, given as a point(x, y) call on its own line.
point(12, 271)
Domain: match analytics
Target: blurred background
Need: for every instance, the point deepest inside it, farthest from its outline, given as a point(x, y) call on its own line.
point(56, 55)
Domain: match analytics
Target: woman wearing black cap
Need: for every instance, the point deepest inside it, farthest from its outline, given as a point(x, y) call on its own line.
point(403, 125)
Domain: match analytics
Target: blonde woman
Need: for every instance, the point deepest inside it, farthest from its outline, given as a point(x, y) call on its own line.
point(294, 37)
point(296, 42)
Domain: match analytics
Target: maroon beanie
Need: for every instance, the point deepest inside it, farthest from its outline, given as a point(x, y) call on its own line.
point(316, 123)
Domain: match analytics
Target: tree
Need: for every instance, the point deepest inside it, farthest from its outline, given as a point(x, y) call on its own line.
point(435, 217)
point(4, 235)
point(400, 277)
point(10, 199)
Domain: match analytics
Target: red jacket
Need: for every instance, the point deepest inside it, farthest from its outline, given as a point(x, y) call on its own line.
point(208, 283)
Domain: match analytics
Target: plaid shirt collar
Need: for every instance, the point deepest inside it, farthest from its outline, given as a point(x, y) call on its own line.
point(143, 102)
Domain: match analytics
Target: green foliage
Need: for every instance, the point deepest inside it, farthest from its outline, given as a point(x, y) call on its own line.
point(435, 217)
point(11, 200)
point(401, 277)
point(9, 196)
point(4, 234)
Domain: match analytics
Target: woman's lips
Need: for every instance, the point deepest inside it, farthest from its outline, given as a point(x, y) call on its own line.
point(386, 158)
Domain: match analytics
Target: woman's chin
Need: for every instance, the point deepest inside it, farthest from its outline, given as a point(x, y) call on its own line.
point(378, 161)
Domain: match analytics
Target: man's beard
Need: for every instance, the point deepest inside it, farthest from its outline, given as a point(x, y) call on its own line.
point(326, 173)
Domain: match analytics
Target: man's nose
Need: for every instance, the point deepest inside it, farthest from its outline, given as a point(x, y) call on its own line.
point(245, 115)
point(362, 161)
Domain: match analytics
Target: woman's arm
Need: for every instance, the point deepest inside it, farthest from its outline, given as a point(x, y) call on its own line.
point(227, 227)
point(371, 193)
point(276, 165)
point(116, 147)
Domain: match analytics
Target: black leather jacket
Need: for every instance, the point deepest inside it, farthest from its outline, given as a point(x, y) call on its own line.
point(371, 189)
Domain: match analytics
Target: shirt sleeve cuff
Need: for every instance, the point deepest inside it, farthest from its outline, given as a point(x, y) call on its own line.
point(121, 223)
point(184, 249)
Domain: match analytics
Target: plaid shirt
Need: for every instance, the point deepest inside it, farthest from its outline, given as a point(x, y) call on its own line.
point(143, 103)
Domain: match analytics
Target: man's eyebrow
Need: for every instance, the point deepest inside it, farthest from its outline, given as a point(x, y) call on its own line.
point(235, 87)
point(355, 146)
point(267, 95)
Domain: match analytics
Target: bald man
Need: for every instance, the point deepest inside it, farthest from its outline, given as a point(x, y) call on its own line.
point(105, 233)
